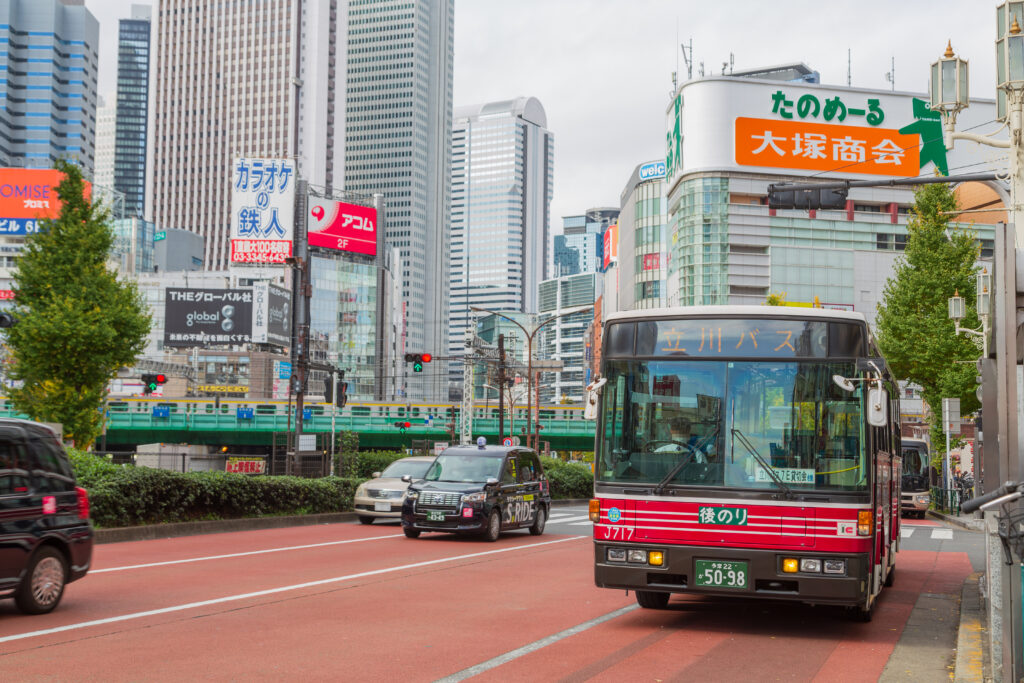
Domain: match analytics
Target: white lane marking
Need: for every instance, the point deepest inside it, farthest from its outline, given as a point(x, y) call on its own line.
point(906, 533)
point(577, 518)
point(281, 589)
point(533, 647)
point(586, 523)
point(250, 552)
point(942, 534)
point(557, 515)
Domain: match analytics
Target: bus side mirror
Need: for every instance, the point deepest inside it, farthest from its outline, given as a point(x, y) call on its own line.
point(878, 407)
point(590, 401)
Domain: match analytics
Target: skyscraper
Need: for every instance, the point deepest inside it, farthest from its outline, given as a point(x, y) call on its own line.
point(106, 143)
point(398, 114)
point(132, 110)
point(502, 164)
point(235, 80)
point(580, 247)
point(47, 83)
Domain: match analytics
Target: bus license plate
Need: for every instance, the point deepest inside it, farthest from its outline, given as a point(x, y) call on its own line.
point(721, 574)
point(435, 515)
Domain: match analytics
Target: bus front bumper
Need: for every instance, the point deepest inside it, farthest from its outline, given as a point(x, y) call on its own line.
point(764, 573)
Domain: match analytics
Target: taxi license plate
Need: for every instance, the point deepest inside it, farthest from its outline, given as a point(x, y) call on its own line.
point(722, 574)
point(435, 515)
point(381, 506)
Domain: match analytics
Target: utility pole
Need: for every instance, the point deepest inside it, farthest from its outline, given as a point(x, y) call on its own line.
point(501, 386)
point(301, 290)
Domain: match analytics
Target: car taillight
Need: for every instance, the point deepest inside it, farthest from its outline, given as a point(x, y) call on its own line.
point(83, 502)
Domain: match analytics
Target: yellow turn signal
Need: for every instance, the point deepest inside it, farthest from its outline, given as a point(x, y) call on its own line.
point(864, 523)
point(655, 558)
point(595, 510)
point(790, 565)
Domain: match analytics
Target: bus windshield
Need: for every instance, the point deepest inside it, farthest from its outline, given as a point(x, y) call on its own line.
point(740, 424)
point(915, 465)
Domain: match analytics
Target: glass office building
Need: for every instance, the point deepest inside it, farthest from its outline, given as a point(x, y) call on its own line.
point(48, 68)
point(502, 165)
point(132, 110)
point(398, 123)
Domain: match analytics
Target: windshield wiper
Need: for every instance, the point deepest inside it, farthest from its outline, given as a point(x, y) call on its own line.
point(786, 491)
point(675, 471)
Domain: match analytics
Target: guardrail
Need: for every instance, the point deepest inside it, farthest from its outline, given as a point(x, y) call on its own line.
point(946, 500)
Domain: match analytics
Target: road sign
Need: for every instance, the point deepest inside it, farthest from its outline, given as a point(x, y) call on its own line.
point(507, 441)
point(515, 440)
point(307, 442)
point(951, 415)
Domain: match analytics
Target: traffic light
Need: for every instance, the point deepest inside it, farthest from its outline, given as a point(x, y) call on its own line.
point(403, 426)
point(781, 198)
point(418, 360)
point(151, 382)
point(342, 398)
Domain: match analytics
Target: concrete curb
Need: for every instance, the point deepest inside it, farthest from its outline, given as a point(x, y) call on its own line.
point(970, 654)
point(151, 532)
point(969, 523)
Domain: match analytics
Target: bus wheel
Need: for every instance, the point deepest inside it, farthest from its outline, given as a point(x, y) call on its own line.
point(890, 577)
point(652, 599)
point(861, 613)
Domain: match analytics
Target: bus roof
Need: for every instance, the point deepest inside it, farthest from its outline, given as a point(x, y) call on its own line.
point(737, 311)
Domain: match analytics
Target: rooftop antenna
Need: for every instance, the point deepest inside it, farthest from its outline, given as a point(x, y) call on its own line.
point(687, 51)
point(700, 72)
point(732, 58)
point(848, 84)
point(891, 76)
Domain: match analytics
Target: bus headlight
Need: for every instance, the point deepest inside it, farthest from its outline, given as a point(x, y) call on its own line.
point(835, 566)
point(924, 500)
point(616, 554)
point(638, 556)
point(810, 565)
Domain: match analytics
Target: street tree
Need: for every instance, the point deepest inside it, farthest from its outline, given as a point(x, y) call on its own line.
point(76, 323)
point(912, 323)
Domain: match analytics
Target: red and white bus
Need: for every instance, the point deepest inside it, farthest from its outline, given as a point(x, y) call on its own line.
point(745, 451)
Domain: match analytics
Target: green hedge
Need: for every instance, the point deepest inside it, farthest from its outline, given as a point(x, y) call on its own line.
point(568, 480)
point(128, 496)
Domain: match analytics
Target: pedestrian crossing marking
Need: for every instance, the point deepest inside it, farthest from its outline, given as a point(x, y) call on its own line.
point(572, 520)
point(906, 533)
point(581, 523)
point(942, 534)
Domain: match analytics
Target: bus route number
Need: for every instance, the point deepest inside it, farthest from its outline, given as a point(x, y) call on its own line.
point(616, 533)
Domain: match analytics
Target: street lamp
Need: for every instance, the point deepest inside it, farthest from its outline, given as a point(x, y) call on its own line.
point(949, 81)
point(529, 356)
point(957, 310)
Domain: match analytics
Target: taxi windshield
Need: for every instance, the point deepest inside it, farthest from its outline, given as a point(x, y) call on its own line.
point(737, 424)
point(464, 468)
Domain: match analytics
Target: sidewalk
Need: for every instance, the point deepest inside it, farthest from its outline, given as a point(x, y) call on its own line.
point(971, 660)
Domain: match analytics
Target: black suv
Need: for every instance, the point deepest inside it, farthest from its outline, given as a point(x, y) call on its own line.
point(479, 489)
point(45, 534)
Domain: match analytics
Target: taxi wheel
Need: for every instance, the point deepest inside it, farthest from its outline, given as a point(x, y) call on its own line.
point(538, 524)
point(493, 527)
point(366, 520)
point(41, 589)
point(652, 599)
point(411, 533)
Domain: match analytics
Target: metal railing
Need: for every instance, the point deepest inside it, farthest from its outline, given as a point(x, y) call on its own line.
point(946, 500)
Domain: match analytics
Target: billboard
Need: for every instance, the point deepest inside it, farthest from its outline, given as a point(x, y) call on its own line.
point(611, 245)
point(652, 169)
point(271, 314)
point(262, 210)
point(27, 195)
point(342, 227)
point(200, 317)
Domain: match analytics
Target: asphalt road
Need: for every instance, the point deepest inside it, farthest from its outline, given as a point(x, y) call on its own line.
point(363, 603)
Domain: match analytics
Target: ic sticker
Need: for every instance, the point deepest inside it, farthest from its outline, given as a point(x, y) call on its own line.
point(846, 529)
point(614, 515)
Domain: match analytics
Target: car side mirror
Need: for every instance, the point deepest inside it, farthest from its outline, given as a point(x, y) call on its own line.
point(407, 478)
point(375, 475)
point(491, 481)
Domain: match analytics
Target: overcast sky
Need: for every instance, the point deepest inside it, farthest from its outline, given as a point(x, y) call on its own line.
point(603, 68)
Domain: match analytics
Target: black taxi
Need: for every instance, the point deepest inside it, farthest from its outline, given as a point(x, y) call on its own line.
point(479, 490)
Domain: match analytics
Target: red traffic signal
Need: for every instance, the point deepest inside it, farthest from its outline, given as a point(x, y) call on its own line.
point(161, 379)
point(427, 357)
point(407, 424)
